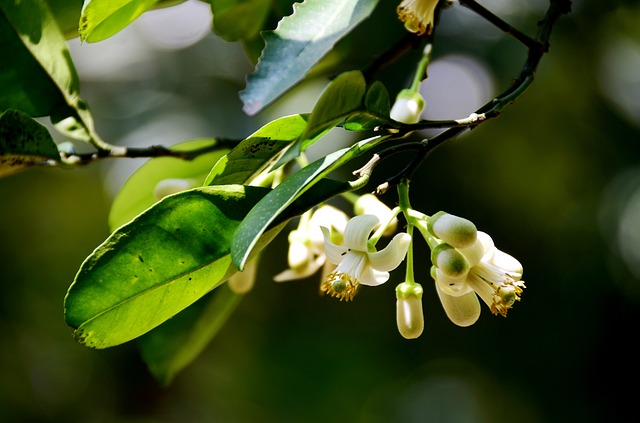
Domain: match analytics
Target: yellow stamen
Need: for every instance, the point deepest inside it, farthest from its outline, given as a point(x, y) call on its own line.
point(340, 285)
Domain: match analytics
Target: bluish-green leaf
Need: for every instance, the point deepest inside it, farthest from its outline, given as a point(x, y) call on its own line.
point(154, 267)
point(297, 44)
point(103, 18)
point(23, 142)
point(170, 347)
point(234, 20)
point(253, 154)
point(136, 195)
point(292, 188)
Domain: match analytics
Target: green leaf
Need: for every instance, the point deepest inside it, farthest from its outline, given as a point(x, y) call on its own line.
point(253, 154)
point(40, 73)
point(23, 142)
point(377, 107)
point(297, 44)
point(343, 96)
point(154, 267)
point(170, 347)
point(235, 20)
point(274, 203)
point(136, 194)
point(103, 18)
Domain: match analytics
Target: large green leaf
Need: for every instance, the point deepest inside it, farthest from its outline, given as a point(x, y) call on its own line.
point(253, 154)
point(234, 20)
point(297, 44)
point(154, 267)
point(174, 344)
point(40, 75)
point(103, 18)
point(274, 203)
point(136, 194)
point(23, 142)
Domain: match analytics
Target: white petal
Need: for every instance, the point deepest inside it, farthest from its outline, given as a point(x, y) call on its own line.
point(329, 217)
point(463, 310)
point(351, 263)
point(301, 273)
point(334, 252)
point(392, 255)
point(475, 252)
point(356, 234)
point(506, 262)
point(370, 276)
point(298, 256)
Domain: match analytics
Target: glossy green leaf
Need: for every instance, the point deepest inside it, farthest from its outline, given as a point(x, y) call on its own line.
point(170, 347)
point(154, 267)
point(343, 96)
point(103, 18)
point(377, 106)
point(275, 202)
point(40, 75)
point(253, 154)
point(23, 142)
point(297, 44)
point(235, 20)
point(136, 195)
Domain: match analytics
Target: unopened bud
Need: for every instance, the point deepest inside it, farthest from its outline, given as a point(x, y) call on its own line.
point(449, 260)
point(455, 231)
point(409, 314)
point(408, 107)
point(243, 282)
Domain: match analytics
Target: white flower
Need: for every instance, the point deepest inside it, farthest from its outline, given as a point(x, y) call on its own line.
point(417, 15)
point(306, 243)
point(409, 314)
point(357, 262)
point(407, 107)
point(492, 274)
point(370, 204)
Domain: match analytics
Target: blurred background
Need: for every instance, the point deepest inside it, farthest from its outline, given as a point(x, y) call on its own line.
point(555, 180)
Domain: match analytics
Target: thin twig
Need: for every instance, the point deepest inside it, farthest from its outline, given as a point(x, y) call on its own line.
point(493, 108)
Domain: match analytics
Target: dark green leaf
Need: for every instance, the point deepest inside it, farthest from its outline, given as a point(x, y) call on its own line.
point(297, 44)
point(377, 105)
point(136, 194)
point(252, 155)
point(174, 344)
point(275, 202)
point(154, 267)
point(23, 142)
point(67, 14)
point(103, 18)
point(234, 20)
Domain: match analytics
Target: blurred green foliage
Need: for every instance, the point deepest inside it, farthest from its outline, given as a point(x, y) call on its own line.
point(546, 180)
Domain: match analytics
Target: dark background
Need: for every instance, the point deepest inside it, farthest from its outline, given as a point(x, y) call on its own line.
point(555, 180)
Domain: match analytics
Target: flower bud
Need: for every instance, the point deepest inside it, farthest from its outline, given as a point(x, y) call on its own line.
point(370, 204)
point(171, 186)
point(408, 107)
point(455, 231)
point(463, 310)
point(449, 260)
point(409, 315)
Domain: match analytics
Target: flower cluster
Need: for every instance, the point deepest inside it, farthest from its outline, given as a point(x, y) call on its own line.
point(465, 262)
